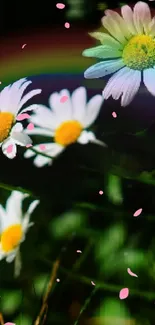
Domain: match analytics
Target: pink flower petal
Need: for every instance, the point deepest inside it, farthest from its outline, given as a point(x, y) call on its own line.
point(29, 145)
point(9, 148)
point(137, 212)
point(42, 147)
point(30, 126)
point(67, 25)
point(101, 192)
point(131, 273)
point(114, 114)
point(22, 117)
point(23, 45)
point(60, 5)
point(63, 99)
point(78, 251)
point(93, 283)
point(124, 293)
point(57, 280)
point(9, 323)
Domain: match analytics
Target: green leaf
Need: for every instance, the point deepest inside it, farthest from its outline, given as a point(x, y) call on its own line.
point(11, 301)
point(40, 283)
point(114, 189)
point(113, 311)
point(23, 320)
point(67, 223)
point(111, 241)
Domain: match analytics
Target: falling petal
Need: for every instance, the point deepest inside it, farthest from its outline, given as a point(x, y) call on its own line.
point(93, 283)
point(137, 212)
point(63, 99)
point(67, 25)
point(78, 251)
point(23, 45)
point(60, 5)
point(9, 323)
point(131, 273)
point(30, 126)
point(114, 114)
point(57, 280)
point(124, 293)
point(22, 117)
point(101, 192)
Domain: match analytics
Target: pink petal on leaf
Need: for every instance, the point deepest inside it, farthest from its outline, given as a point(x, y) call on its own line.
point(30, 126)
point(22, 117)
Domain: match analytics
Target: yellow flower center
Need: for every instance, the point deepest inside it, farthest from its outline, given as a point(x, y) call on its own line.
point(11, 238)
point(139, 52)
point(6, 121)
point(68, 132)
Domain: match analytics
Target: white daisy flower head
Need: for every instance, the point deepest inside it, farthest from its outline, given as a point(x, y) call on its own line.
point(14, 225)
point(11, 101)
point(66, 121)
point(128, 47)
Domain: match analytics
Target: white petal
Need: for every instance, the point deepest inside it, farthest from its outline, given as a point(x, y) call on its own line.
point(102, 52)
point(113, 28)
point(114, 82)
point(14, 207)
point(102, 69)
point(120, 22)
point(29, 153)
point(21, 138)
point(29, 108)
point(127, 14)
point(27, 215)
point(51, 149)
point(106, 39)
point(131, 87)
point(85, 137)
point(41, 161)
point(44, 118)
point(149, 80)
point(28, 96)
point(92, 110)
point(32, 206)
point(142, 17)
point(9, 142)
point(18, 127)
point(152, 27)
point(40, 131)
point(11, 256)
point(3, 216)
point(63, 110)
point(79, 99)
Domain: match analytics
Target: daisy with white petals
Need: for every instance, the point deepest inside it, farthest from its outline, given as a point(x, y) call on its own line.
point(66, 122)
point(14, 225)
point(11, 102)
point(128, 47)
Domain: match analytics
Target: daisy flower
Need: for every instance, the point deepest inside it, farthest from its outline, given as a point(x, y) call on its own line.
point(14, 225)
point(128, 47)
point(11, 101)
point(66, 121)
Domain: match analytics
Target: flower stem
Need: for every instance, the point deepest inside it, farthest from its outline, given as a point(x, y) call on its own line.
point(86, 303)
point(15, 188)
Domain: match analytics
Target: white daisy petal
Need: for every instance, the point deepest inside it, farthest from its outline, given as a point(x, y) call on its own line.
point(21, 138)
point(92, 110)
point(127, 14)
point(63, 110)
point(11, 256)
point(28, 96)
point(41, 161)
point(29, 108)
point(114, 82)
point(86, 137)
point(79, 99)
point(44, 117)
point(120, 21)
point(29, 153)
point(18, 127)
point(102, 52)
point(131, 87)
point(39, 131)
point(32, 206)
point(113, 28)
point(104, 68)
point(9, 144)
point(149, 80)
point(142, 17)
point(106, 39)
point(14, 207)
